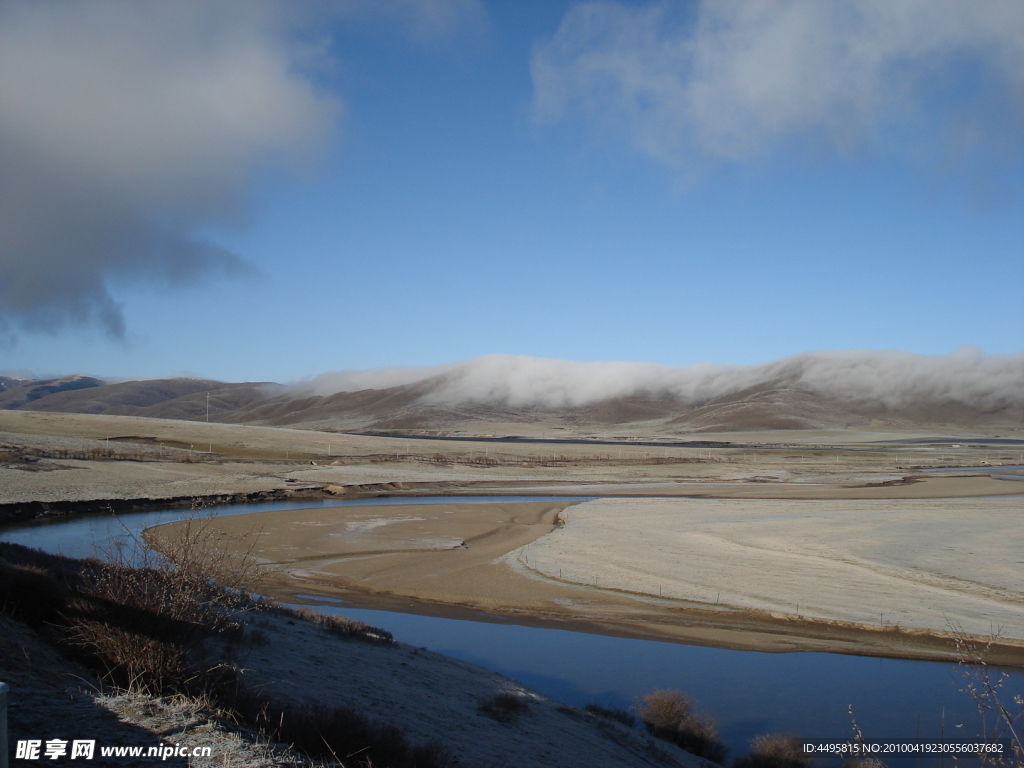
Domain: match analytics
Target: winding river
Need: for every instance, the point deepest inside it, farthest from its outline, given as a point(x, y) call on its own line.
point(750, 693)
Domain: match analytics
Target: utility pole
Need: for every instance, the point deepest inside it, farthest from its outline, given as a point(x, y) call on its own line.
point(207, 407)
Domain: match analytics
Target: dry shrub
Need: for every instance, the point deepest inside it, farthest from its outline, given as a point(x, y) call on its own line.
point(28, 592)
point(344, 734)
point(200, 580)
point(505, 707)
point(1002, 714)
point(144, 630)
point(254, 636)
point(207, 559)
point(339, 626)
point(775, 750)
point(669, 715)
point(104, 615)
point(140, 628)
point(611, 713)
point(133, 661)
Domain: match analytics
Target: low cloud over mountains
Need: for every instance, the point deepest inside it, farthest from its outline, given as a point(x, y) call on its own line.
point(811, 390)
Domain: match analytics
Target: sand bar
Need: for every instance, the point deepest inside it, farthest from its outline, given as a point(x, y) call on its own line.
point(848, 565)
point(920, 564)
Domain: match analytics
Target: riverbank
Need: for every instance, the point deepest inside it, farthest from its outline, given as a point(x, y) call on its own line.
point(208, 678)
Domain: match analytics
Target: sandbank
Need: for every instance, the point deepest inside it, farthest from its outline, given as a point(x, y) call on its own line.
point(859, 577)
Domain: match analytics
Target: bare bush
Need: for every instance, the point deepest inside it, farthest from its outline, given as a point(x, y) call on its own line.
point(1002, 715)
point(129, 659)
point(775, 750)
point(200, 579)
point(144, 630)
point(144, 626)
point(669, 715)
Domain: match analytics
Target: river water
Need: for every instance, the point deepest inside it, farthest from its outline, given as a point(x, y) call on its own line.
point(749, 693)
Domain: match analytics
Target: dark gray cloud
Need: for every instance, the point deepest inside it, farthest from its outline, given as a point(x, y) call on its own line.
point(126, 127)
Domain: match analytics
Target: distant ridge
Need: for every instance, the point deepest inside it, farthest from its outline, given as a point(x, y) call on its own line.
point(7, 382)
point(178, 398)
point(500, 393)
point(22, 393)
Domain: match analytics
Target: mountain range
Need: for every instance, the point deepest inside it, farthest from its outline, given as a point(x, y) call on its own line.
point(433, 404)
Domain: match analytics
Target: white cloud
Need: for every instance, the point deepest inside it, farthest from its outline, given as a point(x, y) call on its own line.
point(893, 378)
point(423, 20)
point(684, 83)
point(373, 378)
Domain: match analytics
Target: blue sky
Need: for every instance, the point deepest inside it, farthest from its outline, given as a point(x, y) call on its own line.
point(586, 181)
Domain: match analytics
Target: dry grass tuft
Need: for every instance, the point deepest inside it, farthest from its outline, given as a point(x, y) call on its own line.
point(775, 750)
point(338, 626)
point(505, 707)
point(669, 715)
point(345, 735)
point(623, 716)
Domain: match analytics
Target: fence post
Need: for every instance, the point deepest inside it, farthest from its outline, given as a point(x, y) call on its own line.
point(4, 688)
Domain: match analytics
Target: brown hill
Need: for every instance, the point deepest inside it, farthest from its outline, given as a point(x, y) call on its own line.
point(23, 393)
point(8, 382)
point(770, 405)
point(179, 398)
point(776, 404)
